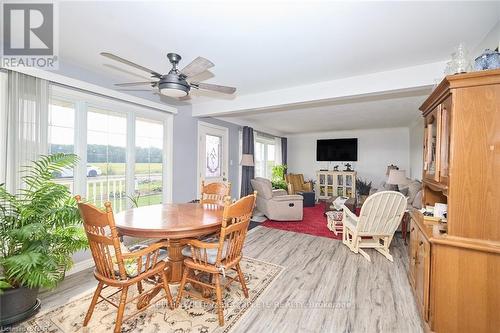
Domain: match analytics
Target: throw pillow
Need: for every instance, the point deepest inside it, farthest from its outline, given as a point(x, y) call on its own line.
point(417, 202)
point(413, 187)
point(388, 187)
point(404, 191)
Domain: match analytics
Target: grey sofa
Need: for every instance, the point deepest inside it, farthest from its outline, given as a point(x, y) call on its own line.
point(277, 204)
point(412, 191)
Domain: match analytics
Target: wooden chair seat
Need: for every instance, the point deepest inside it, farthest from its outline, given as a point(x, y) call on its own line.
point(211, 253)
point(131, 267)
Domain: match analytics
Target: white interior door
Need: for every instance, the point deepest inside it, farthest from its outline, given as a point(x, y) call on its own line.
point(212, 153)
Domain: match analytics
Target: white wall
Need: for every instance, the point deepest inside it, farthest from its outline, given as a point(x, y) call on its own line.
point(417, 148)
point(377, 148)
point(490, 41)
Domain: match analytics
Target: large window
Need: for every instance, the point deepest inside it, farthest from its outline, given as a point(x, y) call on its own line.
point(106, 157)
point(121, 148)
point(264, 157)
point(61, 135)
point(148, 162)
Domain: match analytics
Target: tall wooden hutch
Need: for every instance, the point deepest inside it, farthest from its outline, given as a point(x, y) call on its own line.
point(456, 275)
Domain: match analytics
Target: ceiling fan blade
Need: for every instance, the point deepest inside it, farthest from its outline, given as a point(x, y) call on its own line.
point(197, 66)
point(214, 87)
point(130, 63)
point(148, 90)
point(130, 84)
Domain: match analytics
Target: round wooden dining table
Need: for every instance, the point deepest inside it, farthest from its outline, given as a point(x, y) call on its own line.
point(172, 222)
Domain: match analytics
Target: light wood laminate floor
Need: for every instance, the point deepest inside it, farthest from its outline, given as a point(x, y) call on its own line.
point(323, 288)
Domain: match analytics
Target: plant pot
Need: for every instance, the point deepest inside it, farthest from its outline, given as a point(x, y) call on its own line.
point(18, 304)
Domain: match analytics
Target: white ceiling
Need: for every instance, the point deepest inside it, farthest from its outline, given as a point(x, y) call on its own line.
point(260, 46)
point(381, 111)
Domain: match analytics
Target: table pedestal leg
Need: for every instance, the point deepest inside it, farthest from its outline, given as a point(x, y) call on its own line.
point(175, 261)
point(176, 264)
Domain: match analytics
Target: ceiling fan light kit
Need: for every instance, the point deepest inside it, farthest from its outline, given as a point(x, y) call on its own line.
point(175, 84)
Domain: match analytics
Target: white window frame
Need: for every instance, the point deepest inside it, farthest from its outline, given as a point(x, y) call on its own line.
point(265, 141)
point(84, 100)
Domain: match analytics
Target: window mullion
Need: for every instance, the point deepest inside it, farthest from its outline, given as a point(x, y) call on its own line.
point(80, 140)
point(167, 174)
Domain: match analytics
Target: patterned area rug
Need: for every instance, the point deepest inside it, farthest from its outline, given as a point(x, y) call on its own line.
point(313, 223)
point(191, 316)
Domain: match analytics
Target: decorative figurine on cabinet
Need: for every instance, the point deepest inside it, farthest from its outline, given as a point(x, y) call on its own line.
point(348, 167)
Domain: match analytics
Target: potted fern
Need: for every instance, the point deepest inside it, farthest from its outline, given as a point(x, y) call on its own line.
point(278, 177)
point(40, 230)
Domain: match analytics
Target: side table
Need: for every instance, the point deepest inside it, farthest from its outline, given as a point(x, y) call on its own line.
point(309, 198)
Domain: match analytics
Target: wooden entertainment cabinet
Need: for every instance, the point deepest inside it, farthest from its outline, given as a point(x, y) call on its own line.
point(335, 183)
point(455, 275)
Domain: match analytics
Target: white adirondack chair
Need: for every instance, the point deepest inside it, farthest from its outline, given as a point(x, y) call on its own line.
point(377, 222)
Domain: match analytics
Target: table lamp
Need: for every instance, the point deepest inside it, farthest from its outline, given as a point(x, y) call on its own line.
point(247, 160)
point(397, 177)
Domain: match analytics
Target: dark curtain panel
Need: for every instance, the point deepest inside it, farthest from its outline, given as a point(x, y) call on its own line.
point(283, 151)
point(247, 172)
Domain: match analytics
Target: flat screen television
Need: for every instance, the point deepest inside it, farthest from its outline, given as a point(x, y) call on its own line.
point(340, 150)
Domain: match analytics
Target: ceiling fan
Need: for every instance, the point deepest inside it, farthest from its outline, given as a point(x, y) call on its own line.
point(175, 83)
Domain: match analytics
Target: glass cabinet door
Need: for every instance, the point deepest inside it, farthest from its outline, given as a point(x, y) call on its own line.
point(340, 191)
point(348, 180)
point(321, 179)
point(431, 144)
point(444, 163)
point(330, 179)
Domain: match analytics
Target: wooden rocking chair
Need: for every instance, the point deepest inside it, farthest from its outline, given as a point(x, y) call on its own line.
point(219, 257)
point(378, 220)
point(116, 267)
point(214, 193)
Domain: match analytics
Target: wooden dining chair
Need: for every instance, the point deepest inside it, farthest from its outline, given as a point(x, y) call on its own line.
point(116, 267)
point(220, 256)
point(214, 194)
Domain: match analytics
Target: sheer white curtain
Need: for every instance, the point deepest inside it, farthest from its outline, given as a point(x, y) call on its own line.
point(277, 151)
point(23, 126)
point(3, 125)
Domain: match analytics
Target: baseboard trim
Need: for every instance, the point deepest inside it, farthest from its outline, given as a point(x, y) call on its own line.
point(81, 266)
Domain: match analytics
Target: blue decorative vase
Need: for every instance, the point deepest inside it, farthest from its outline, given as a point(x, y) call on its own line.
point(493, 60)
point(488, 60)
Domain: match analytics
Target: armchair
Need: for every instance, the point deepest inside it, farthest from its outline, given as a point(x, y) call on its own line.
point(379, 218)
point(296, 183)
point(277, 204)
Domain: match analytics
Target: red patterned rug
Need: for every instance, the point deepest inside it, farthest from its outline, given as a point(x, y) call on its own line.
point(313, 223)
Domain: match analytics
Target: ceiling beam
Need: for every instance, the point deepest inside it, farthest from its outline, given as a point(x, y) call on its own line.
point(90, 87)
point(402, 79)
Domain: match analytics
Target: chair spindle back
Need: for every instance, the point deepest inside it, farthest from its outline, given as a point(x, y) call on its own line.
point(214, 194)
point(103, 238)
point(236, 218)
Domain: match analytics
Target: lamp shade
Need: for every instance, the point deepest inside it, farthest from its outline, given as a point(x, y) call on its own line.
point(391, 167)
point(397, 177)
point(247, 160)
